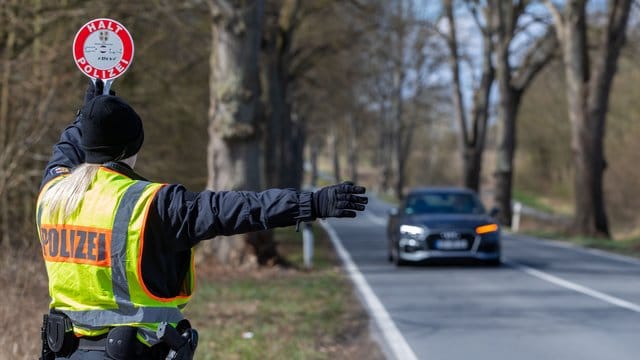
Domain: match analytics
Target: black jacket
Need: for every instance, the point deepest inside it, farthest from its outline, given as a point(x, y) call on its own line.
point(179, 218)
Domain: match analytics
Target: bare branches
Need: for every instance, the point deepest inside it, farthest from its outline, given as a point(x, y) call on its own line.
point(555, 14)
point(537, 56)
point(454, 61)
point(220, 9)
point(473, 7)
point(303, 60)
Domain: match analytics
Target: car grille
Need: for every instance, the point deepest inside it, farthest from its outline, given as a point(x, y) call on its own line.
point(433, 238)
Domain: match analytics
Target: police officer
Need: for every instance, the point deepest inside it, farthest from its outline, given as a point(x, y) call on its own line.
point(118, 248)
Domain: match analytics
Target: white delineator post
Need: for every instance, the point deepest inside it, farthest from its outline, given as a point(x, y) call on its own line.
point(515, 218)
point(307, 245)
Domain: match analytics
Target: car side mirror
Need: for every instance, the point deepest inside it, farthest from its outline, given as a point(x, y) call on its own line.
point(393, 211)
point(494, 211)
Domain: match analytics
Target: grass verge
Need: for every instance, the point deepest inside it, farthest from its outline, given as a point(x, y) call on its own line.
point(626, 246)
point(282, 314)
point(532, 201)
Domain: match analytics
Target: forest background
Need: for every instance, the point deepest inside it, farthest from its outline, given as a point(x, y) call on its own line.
point(391, 94)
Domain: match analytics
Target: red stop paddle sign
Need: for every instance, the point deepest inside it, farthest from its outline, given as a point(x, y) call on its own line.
point(103, 49)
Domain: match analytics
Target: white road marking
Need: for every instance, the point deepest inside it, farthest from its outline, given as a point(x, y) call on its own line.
point(578, 248)
point(395, 341)
point(575, 287)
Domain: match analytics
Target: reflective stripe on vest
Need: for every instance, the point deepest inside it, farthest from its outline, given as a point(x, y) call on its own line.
point(127, 302)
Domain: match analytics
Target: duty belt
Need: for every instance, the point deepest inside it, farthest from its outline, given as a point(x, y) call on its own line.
point(121, 343)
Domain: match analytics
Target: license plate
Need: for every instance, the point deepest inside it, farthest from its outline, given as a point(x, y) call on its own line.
point(451, 244)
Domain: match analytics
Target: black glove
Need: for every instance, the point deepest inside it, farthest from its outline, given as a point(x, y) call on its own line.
point(94, 90)
point(338, 200)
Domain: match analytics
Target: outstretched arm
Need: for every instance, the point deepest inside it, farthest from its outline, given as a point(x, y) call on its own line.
point(191, 217)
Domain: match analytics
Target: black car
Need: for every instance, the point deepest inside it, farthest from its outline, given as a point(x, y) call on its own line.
point(442, 223)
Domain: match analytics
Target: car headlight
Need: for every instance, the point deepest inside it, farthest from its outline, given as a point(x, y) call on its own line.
point(413, 232)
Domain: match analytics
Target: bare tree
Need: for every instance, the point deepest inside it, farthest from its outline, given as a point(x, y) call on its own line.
point(399, 78)
point(291, 48)
point(352, 149)
point(282, 21)
point(26, 106)
point(473, 132)
point(589, 78)
point(234, 144)
point(513, 80)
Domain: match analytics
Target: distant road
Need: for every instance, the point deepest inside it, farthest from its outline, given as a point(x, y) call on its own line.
point(549, 301)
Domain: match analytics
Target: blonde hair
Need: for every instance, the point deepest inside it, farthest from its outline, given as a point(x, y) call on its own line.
point(64, 197)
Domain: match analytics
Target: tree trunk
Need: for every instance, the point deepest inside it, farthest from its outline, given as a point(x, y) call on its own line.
point(386, 151)
point(397, 140)
point(5, 126)
point(471, 144)
point(474, 147)
point(234, 149)
point(285, 137)
point(296, 162)
point(604, 70)
point(509, 104)
point(381, 154)
point(507, 109)
point(472, 167)
point(576, 65)
point(335, 157)
point(458, 101)
point(277, 116)
point(313, 159)
point(399, 82)
point(504, 17)
point(588, 91)
point(284, 161)
point(353, 148)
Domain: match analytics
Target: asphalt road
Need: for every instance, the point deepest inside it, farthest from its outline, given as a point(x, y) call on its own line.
point(549, 301)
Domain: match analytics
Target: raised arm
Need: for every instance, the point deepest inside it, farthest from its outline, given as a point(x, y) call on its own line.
point(67, 153)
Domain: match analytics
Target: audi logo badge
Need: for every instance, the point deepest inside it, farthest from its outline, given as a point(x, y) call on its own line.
point(450, 235)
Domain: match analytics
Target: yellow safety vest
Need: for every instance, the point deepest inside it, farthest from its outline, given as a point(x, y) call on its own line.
point(94, 259)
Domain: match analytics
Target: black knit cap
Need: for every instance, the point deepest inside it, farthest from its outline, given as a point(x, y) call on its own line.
point(111, 130)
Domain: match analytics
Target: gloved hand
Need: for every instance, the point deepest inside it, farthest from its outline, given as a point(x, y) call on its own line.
point(94, 90)
point(338, 200)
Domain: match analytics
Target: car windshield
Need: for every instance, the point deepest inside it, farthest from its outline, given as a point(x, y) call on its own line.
point(443, 203)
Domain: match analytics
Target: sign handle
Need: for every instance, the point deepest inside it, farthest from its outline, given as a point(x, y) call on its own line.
point(107, 85)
